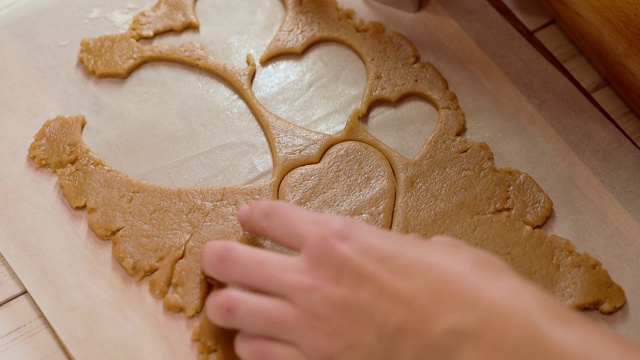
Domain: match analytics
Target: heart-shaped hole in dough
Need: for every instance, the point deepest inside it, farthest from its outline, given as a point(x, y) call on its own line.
point(404, 126)
point(317, 91)
point(192, 129)
point(231, 38)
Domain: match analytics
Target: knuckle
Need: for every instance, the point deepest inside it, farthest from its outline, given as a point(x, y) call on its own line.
point(333, 238)
point(307, 286)
point(225, 254)
point(493, 263)
point(261, 214)
point(445, 240)
point(244, 346)
point(473, 257)
point(222, 307)
point(338, 230)
point(416, 236)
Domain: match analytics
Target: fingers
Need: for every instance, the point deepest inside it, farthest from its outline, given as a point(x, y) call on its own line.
point(249, 347)
point(278, 221)
point(255, 313)
point(235, 263)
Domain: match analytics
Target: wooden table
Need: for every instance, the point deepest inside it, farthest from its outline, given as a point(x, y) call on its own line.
point(24, 331)
point(542, 31)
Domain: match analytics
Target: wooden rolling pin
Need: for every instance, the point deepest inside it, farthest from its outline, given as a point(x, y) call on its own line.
point(608, 32)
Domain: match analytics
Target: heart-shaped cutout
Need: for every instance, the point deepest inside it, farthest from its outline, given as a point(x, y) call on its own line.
point(192, 130)
point(352, 179)
point(317, 91)
point(404, 126)
point(231, 38)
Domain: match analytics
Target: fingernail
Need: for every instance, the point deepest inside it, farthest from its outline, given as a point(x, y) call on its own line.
point(242, 214)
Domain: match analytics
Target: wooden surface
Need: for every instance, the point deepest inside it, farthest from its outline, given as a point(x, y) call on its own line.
point(25, 334)
point(540, 25)
point(608, 32)
point(10, 286)
point(601, 193)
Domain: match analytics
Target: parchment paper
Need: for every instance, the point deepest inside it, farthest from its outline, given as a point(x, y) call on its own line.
point(172, 125)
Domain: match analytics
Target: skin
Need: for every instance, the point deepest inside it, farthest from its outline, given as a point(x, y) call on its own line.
point(354, 291)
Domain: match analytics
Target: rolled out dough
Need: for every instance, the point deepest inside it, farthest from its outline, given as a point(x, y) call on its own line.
point(451, 186)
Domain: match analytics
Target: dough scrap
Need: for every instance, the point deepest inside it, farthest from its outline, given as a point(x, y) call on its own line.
point(164, 16)
point(452, 186)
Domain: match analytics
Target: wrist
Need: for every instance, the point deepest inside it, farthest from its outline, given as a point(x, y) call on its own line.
point(532, 325)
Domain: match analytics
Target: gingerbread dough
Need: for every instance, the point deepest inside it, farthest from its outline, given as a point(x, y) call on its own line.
point(451, 186)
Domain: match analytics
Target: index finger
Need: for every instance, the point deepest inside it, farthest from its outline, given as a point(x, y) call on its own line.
point(281, 222)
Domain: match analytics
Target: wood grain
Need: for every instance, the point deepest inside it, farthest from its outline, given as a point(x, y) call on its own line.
point(532, 14)
point(624, 115)
point(25, 334)
point(607, 31)
point(579, 66)
point(10, 286)
point(571, 58)
point(561, 52)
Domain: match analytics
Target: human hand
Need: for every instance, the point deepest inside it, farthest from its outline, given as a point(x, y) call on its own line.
point(354, 291)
